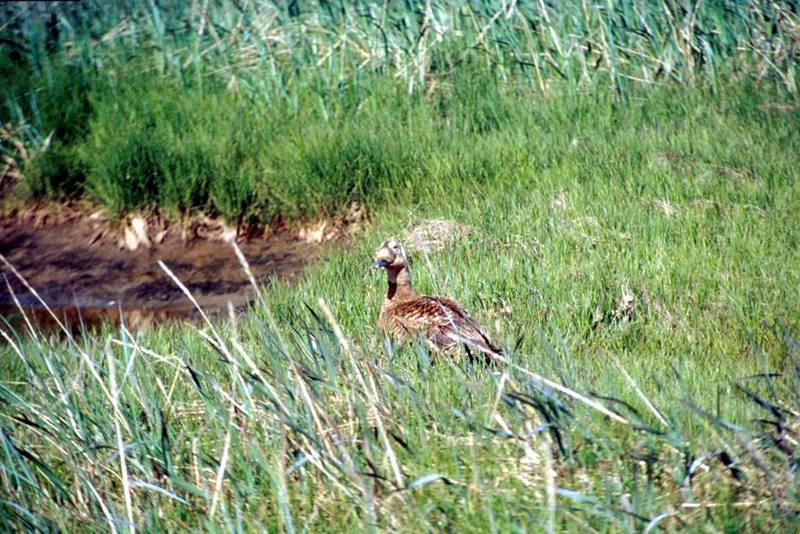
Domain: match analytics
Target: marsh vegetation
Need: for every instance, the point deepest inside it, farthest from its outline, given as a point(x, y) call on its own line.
point(629, 175)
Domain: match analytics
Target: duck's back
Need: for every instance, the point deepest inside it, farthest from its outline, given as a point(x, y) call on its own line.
point(443, 321)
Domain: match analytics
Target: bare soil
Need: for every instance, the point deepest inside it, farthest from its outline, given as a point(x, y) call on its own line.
point(87, 280)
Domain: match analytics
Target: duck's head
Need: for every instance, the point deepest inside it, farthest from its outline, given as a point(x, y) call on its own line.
point(390, 255)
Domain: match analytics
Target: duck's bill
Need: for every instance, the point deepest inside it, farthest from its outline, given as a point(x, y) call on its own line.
point(381, 264)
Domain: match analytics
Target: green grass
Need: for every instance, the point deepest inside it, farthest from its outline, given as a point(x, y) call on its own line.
point(624, 148)
point(259, 111)
point(685, 199)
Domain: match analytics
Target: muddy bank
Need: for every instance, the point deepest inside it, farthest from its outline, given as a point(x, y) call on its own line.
point(89, 280)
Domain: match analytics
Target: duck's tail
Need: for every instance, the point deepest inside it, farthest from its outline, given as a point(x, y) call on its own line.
point(489, 352)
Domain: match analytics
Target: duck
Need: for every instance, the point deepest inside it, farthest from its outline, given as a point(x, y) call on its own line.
point(442, 322)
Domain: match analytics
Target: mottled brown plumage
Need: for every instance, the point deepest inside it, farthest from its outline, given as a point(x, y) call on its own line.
point(443, 322)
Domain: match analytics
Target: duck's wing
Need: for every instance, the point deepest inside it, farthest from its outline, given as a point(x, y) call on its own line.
point(462, 328)
point(446, 322)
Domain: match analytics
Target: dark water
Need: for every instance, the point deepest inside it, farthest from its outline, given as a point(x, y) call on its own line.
point(86, 284)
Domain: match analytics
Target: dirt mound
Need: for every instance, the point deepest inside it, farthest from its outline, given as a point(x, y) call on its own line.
point(435, 235)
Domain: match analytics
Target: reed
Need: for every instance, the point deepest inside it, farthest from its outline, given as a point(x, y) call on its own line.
point(194, 106)
point(629, 173)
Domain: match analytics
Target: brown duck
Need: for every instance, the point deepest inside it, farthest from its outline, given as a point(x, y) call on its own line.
point(406, 313)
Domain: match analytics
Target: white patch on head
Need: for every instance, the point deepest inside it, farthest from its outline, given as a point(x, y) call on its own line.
point(396, 250)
